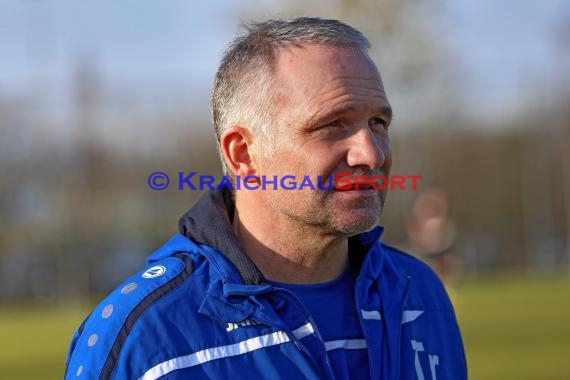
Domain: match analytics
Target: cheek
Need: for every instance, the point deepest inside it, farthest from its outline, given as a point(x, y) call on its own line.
point(326, 159)
point(313, 162)
point(386, 147)
point(323, 165)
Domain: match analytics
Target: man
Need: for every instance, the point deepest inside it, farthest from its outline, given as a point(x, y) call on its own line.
point(274, 283)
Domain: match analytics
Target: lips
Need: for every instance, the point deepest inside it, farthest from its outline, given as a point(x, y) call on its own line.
point(352, 187)
point(346, 181)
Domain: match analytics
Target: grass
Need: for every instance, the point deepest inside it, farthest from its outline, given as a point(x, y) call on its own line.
point(514, 327)
point(35, 339)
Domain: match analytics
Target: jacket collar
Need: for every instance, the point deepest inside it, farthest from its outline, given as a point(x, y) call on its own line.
point(208, 222)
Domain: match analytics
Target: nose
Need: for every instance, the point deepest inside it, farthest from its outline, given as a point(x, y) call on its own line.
point(368, 149)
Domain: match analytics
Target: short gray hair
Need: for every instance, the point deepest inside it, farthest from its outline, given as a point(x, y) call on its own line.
point(242, 92)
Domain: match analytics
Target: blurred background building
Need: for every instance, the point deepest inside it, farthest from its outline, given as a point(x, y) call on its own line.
point(95, 96)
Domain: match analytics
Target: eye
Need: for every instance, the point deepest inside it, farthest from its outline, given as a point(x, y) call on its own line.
point(378, 124)
point(334, 123)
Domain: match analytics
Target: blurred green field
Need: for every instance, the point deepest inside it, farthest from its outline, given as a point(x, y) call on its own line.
point(514, 327)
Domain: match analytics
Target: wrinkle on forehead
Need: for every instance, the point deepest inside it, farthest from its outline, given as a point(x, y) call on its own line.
point(316, 78)
point(366, 86)
point(361, 94)
point(347, 104)
point(371, 83)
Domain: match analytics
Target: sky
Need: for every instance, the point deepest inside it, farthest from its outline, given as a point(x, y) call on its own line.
point(144, 42)
point(507, 47)
point(169, 49)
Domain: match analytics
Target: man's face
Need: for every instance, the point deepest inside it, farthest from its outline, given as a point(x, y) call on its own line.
point(331, 116)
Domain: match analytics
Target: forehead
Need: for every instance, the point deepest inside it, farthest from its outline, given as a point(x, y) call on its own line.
point(315, 76)
point(311, 58)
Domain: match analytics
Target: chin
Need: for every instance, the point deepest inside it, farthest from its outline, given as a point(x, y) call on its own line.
point(357, 223)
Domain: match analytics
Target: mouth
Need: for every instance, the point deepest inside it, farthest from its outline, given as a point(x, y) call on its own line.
point(361, 191)
point(354, 187)
point(358, 182)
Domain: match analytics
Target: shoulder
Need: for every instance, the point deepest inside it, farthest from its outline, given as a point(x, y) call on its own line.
point(98, 342)
point(407, 263)
point(428, 319)
point(425, 287)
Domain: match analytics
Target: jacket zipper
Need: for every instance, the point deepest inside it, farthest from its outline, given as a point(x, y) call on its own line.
point(358, 305)
point(323, 353)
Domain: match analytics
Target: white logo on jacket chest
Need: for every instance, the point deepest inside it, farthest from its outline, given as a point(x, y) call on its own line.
point(418, 347)
point(235, 326)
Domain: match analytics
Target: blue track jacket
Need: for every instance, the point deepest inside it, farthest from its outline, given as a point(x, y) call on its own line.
point(202, 310)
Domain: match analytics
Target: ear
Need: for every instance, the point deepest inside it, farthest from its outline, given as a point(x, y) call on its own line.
point(235, 144)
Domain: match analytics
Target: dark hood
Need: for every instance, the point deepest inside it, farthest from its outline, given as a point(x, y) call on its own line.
point(209, 222)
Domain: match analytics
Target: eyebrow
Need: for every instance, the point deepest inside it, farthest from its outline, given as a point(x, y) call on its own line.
point(320, 117)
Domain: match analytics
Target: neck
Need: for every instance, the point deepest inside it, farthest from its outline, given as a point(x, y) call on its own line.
point(297, 254)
